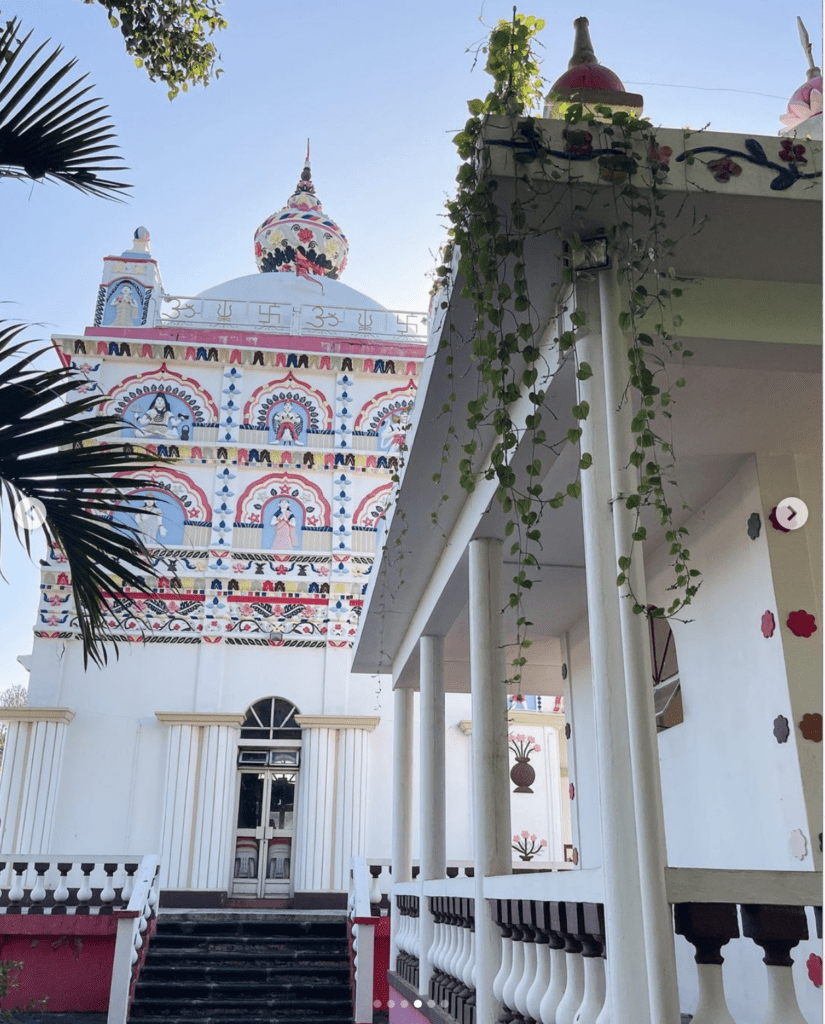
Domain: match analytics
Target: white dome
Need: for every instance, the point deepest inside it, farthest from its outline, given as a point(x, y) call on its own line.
point(291, 288)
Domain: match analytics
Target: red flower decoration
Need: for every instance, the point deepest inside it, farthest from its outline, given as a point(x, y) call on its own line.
point(258, 249)
point(577, 143)
point(659, 154)
point(811, 727)
point(768, 625)
point(305, 235)
point(791, 153)
point(724, 168)
point(572, 791)
point(814, 965)
point(801, 623)
point(775, 522)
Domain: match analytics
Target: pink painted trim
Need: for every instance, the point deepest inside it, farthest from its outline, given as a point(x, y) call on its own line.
point(245, 339)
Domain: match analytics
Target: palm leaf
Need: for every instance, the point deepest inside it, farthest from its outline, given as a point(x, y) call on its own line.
point(49, 129)
point(49, 452)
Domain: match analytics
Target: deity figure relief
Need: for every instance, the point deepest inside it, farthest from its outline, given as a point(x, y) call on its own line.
point(287, 425)
point(126, 308)
point(158, 420)
point(393, 431)
point(149, 521)
point(286, 534)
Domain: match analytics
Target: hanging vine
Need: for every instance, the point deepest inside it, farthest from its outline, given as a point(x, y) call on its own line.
point(487, 240)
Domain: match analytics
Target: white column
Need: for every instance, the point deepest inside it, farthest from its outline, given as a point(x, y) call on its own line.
point(197, 832)
point(644, 748)
point(491, 826)
point(432, 829)
point(402, 748)
point(32, 762)
point(627, 982)
point(332, 808)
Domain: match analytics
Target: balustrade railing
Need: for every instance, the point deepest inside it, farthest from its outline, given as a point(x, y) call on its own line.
point(32, 884)
point(362, 931)
point(554, 959)
point(135, 925)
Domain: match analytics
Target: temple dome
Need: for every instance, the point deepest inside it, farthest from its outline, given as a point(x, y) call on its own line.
point(588, 81)
point(301, 238)
point(293, 289)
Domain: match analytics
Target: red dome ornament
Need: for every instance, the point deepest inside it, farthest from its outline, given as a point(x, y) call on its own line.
point(589, 82)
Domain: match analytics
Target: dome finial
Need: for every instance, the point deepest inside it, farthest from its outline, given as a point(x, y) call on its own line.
point(583, 52)
point(804, 38)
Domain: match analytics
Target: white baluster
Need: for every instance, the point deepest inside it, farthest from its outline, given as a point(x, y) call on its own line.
point(61, 893)
point(375, 893)
point(709, 927)
point(416, 950)
point(528, 974)
point(84, 893)
point(594, 991)
point(558, 982)
point(574, 992)
point(516, 970)
point(506, 954)
point(107, 893)
point(783, 1007)
point(541, 981)
point(17, 892)
point(38, 893)
point(712, 1007)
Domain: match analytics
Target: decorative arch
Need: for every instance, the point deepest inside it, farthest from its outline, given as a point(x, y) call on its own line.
point(262, 404)
point(193, 500)
point(373, 508)
point(378, 409)
point(271, 718)
point(291, 487)
point(185, 398)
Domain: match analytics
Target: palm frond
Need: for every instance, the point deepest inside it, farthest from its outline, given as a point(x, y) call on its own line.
point(49, 452)
point(51, 132)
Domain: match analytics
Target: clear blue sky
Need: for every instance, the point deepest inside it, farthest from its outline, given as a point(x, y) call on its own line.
point(380, 87)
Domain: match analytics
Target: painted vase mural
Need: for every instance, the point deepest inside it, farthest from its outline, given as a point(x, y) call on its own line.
point(522, 773)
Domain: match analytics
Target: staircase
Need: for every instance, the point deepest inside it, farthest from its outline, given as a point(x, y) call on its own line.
point(281, 967)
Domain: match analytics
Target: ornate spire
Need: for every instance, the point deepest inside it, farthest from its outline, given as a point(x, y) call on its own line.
point(301, 237)
point(804, 113)
point(583, 52)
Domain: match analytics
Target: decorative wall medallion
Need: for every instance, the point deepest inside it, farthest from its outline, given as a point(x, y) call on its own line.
point(801, 623)
point(768, 625)
point(811, 727)
point(572, 791)
point(527, 845)
point(754, 525)
point(522, 773)
point(724, 169)
point(567, 731)
point(781, 729)
point(574, 856)
point(564, 671)
point(814, 965)
point(798, 844)
point(775, 522)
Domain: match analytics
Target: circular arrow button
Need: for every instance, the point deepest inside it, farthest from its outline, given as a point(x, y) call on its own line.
point(791, 513)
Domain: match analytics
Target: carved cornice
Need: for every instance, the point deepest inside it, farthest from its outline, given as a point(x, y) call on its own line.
point(198, 718)
point(368, 722)
point(64, 715)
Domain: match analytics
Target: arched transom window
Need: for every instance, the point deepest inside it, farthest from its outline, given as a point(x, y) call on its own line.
point(272, 718)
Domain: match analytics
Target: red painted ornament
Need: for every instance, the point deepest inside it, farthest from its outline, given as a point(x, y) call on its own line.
point(572, 791)
point(814, 965)
point(811, 727)
point(775, 522)
point(801, 623)
point(768, 625)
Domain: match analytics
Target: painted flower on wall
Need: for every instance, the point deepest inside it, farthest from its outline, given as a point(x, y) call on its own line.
point(811, 727)
point(801, 623)
point(814, 965)
point(527, 845)
point(781, 729)
point(724, 169)
point(775, 522)
point(754, 525)
point(768, 625)
point(792, 154)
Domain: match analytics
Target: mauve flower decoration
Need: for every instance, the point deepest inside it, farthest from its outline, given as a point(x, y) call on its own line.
point(801, 623)
point(811, 727)
point(754, 525)
point(781, 729)
point(814, 965)
point(572, 791)
point(768, 625)
point(775, 522)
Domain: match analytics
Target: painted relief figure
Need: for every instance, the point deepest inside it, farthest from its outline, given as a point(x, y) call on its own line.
point(393, 431)
point(157, 516)
point(283, 522)
point(125, 306)
point(287, 425)
point(286, 535)
point(159, 420)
